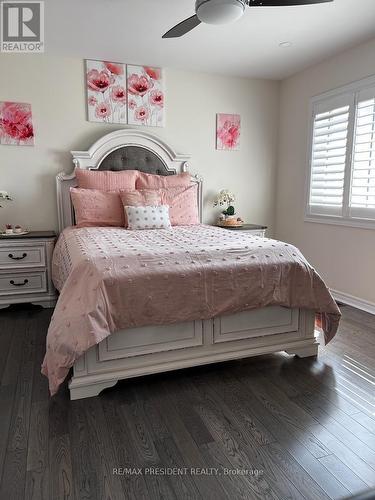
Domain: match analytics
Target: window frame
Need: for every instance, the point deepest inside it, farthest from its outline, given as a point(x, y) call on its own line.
point(347, 218)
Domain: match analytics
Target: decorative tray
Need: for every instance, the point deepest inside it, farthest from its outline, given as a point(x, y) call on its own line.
point(14, 234)
point(238, 224)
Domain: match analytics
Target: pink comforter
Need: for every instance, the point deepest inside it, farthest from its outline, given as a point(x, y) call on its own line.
point(110, 279)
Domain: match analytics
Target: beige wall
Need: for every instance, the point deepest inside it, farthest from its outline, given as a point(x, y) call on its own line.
point(55, 88)
point(344, 256)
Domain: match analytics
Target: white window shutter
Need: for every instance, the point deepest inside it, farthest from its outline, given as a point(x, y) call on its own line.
point(362, 189)
point(329, 156)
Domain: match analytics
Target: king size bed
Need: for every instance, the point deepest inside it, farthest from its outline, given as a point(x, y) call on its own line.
point(134, 303)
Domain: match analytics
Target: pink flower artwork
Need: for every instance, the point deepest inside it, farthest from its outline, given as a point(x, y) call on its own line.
point(132, 104)
point(141, 114)
point(103, 109)
point(118, 93)
point(157, 98)
point(139, 85)
point(114, 68)
point(228, 131)
point(145, 96)
point(106, 92)
point(16, 126)
point(153, 73)
point(92, 100)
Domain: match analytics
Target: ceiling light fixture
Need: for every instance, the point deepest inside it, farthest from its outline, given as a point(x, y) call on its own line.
point(219, 11)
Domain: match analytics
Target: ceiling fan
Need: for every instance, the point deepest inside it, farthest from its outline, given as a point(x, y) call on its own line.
point(226, 11)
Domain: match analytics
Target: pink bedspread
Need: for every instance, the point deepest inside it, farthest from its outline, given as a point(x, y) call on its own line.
point(110, 279)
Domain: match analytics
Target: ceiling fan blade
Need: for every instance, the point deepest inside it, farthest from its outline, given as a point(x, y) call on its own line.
point(183, 27)
point(283, 3)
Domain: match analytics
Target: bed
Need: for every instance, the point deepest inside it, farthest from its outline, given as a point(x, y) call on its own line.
point(133, 303)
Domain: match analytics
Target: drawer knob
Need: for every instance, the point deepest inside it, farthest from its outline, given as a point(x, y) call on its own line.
point(25, 281)
point(11, 256)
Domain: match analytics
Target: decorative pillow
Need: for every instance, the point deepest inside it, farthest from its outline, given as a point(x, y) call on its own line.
point(97, 208)
point(152, 181)
point(105, 180)
point(139, 198)
point(151, 217)
point(183, 205)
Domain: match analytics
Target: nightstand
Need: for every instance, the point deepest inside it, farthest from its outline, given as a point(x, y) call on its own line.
point(25, 269)
point(251, 228)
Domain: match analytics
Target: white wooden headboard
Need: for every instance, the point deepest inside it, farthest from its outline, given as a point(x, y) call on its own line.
point(122, 150)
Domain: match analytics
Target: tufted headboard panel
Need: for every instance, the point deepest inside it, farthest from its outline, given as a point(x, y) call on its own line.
point(135, 158)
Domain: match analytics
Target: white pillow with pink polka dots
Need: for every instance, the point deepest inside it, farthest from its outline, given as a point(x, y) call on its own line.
point(148, 217)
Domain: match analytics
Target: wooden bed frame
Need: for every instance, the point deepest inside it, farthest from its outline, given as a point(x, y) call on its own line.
point(142, 351)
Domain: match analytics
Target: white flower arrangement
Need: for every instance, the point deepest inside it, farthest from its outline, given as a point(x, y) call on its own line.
point(5, 196)
point(225, 197)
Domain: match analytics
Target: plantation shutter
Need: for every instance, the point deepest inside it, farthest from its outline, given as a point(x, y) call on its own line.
point(362, 191)
point(329, 155)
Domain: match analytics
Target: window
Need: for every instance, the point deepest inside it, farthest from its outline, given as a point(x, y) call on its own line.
point(341, 186)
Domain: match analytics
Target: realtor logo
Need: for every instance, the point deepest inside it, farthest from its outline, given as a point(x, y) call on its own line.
point(22, 27)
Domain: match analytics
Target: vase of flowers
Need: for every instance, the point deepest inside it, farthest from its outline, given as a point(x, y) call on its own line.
point(4, 196)
point(228, 217)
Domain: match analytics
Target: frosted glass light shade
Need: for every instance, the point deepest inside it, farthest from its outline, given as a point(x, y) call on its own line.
point(219, 11)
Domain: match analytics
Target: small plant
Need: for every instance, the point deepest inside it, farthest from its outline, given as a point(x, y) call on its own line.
point(225, 197)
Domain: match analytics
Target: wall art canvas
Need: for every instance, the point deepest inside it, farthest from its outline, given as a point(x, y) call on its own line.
point(106, 91)
point(145, 96)
point(228, 131)
point(16, 124)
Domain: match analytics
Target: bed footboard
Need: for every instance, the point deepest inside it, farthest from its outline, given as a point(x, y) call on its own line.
point(146, 350)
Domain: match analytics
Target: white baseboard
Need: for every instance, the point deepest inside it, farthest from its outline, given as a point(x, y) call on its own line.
point(350, 300)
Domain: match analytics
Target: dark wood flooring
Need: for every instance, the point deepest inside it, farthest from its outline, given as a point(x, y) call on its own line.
point(284, 428)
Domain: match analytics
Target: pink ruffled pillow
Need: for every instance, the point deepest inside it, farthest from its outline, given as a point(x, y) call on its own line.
point(183, 205)
point(105, 180)
point(97, 208)
point(152, 181)
point(140, 198)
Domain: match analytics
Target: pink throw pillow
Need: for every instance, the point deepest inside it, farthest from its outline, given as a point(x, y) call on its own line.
point(183, 205)
point(105, 180)
point(152, 181)
point(97, 208)
point(141, 197)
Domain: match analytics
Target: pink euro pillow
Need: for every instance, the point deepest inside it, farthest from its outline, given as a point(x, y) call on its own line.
point(106, 180)
point(140, 198)
point(183, 204)
point(95, 208)
point(152, 181)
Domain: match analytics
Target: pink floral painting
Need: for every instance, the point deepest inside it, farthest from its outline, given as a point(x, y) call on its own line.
point(106, 91)
point(228, 131)
point(146, 98)
point(16, 125)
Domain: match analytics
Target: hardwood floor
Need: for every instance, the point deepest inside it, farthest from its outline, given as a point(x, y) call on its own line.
point(273, 427)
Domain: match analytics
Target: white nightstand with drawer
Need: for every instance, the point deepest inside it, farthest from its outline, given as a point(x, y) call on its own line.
point(25, 269)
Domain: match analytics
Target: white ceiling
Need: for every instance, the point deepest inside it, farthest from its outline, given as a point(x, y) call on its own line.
point(131, 30)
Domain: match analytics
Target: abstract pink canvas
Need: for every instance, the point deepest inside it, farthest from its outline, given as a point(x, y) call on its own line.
point(228, 131)
point(145, 96)
point(106, 91)
point(16, 125)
